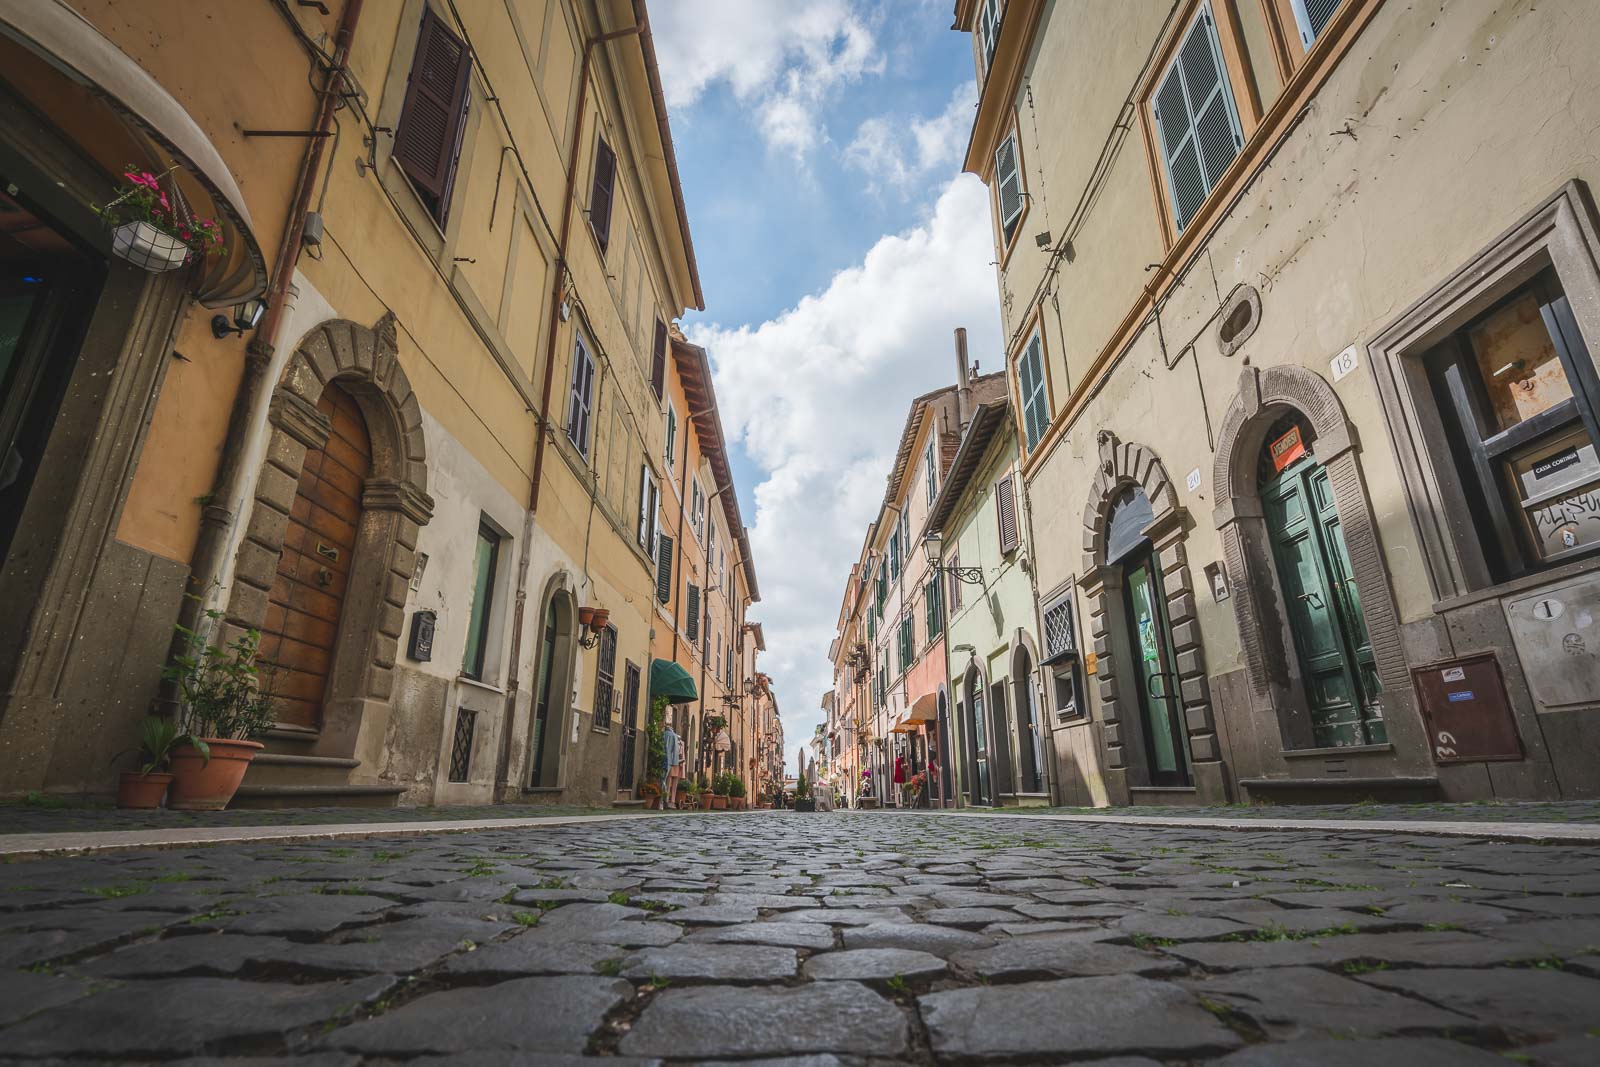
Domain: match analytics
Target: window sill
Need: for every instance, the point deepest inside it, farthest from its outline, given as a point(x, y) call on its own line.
point(1336, 751)
point(1518, 585)
point(476, 684)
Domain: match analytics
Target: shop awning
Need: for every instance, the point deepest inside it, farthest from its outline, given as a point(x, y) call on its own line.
point(670, 680)
point(115, 113)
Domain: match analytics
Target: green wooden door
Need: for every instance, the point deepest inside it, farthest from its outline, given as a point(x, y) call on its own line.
point(1154, 676)
point(1330, 634)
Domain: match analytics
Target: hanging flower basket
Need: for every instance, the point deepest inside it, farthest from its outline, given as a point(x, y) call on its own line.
point(141, 244)
point(153, 231)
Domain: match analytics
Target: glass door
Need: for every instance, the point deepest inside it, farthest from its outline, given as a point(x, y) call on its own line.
point(1154, 677)
point(541, 715)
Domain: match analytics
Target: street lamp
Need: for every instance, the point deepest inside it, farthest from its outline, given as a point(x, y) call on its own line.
point(933, 545)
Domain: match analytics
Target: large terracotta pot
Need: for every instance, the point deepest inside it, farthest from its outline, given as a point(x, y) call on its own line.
point(137, 790)
point(718, 802)
point(202, 785)
point(705, 801)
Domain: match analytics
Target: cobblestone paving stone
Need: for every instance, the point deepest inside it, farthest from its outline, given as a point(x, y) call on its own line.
point(851, 938)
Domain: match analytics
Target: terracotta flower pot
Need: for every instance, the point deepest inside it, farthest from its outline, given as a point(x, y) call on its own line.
point(705, 801)
point(137, 790)
point(719, 803)
point(208, 785)
point(602, 618)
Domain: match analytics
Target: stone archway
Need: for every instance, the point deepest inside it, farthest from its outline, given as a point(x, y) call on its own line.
point(555, 664)
point(1124, 464)
point(395, 505)
point(1269, 651)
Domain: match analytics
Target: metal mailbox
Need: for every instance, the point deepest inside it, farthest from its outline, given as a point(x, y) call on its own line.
point(1465, 708)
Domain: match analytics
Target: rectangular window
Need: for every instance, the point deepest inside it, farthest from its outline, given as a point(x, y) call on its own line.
point(955, 583)
point(1311, 17)
point(649, 509)
point(697, 508)
point(664, 545)
point(1517, 394)
point(988, 30)
point(484, 563)
point(1034, 393)
point(1008, 187)
point(427, 137)
point(1196, 120)
point(931, 472)
point(894, 553)
point(461, 745)
point(658, 360)
point(1005, 510)
point(582, 397)
point(691, 611)
point(672, 438)
point(605, 678)
point(933, 609)
point(602, 192)
point(711, 542)
point(1060, 642)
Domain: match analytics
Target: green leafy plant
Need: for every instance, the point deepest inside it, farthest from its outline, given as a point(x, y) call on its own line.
point(226, 691)
point(140, 198)
point(655, 746)
point(735, 786)
point(157, 736)
point(715, 723)
point(802, 789)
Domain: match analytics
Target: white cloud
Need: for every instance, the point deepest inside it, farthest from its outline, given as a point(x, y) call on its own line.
point(901, 154)
point(782, 58)
point(818, 395)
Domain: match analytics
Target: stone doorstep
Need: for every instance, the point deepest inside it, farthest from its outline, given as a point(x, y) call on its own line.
point(35, 846)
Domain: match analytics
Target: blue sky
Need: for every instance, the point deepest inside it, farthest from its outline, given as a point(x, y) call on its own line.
point(819, 143)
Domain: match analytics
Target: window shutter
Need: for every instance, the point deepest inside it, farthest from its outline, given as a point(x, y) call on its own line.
point(1035, 398)
point(1194, 113)
point(672, 436)
point(430, 118)
point(664, 568)
point(1008, 184)
point(658, 362)
point(649, 504)
point(1311, 16)
point(582, 388)
point(1005, 506)
point(600, 194)
point(691, 625)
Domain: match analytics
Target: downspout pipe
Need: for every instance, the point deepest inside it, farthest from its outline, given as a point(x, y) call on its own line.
point(558, 287)
point(225, 505)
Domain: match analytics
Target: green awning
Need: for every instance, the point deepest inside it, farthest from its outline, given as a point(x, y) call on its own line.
point(670, 680)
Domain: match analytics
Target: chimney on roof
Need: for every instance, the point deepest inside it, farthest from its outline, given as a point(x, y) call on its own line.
point(963, 381)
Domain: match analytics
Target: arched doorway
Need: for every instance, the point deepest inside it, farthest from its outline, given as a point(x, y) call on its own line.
point(1030, 730)
point(1337, 667)
point(975, 726)
point(551, 697)
point(319, 544)
point(942, 755)
point(1149, 638)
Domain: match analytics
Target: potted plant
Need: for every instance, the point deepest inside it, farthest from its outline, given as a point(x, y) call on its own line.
point(719, 793)
point(149, 230)
point(146, 787)
point(651, 792)
point(803, 801)
point(688, 795)
point(736, 791)
point(225, 706)
point(703, 791)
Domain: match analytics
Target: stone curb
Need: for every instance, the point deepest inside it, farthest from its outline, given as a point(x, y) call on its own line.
point(1526, 832)
point(38, 846)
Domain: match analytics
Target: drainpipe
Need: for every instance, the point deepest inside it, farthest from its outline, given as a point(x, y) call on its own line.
point(552, 328)
point(963, 380)
point(225, 504)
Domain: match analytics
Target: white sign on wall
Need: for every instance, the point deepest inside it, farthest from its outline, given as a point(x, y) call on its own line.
point(1194, 479)
point(1344, 363)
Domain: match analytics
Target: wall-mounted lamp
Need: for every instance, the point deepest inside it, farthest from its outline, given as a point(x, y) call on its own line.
point(245, 317)
point(933, 545)
point(592, 623)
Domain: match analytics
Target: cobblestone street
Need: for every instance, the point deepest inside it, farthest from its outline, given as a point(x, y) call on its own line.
point(869, 937)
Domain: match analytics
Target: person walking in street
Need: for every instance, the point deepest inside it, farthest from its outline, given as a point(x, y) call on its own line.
point(900, 779)
point(674, 766)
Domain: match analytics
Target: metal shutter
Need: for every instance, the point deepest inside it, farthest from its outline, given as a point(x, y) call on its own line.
point(1005, 506)
point(600, 193)
point(1197, 124)
point(430, 118)
point(664, 568)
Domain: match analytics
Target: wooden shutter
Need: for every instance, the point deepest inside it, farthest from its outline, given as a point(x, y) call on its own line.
point(1311, 16)
point(691, 625)
point(1008, 184)
point(581, 400)
point(1195, 117)
point(1005, 506)
point(649, 501)
point(1035, 399)
point(602, 191)
point(430, 118)
point(658, 363)
point(664, 568)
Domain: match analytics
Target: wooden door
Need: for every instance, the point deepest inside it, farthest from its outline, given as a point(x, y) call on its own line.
point(1330, 635)
point(302, 624)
